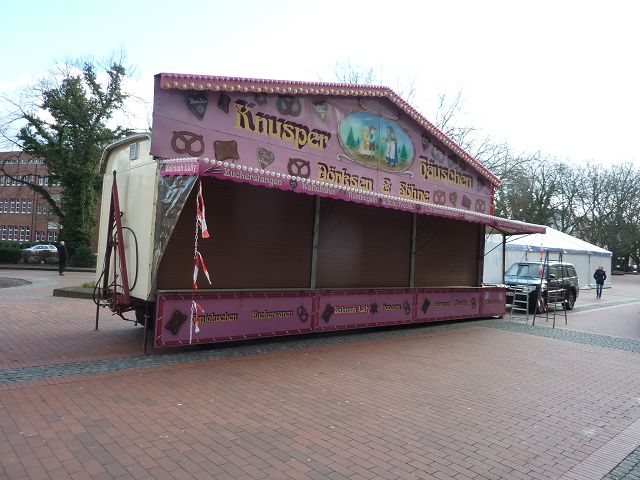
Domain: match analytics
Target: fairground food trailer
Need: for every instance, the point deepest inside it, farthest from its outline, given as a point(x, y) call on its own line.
point(261, 207)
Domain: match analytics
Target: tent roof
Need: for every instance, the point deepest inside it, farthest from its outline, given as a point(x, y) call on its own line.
point(555, 241)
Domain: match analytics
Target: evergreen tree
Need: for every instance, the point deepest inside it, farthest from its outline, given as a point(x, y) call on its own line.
point(404, 156)
point(70, 138)
point(351, 143)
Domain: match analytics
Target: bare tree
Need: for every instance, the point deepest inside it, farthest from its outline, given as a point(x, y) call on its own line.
point(607, 208)
point(347, 72)
point(594, 203)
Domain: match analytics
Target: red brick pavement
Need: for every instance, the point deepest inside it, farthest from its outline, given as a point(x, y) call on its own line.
point(39, 329)
point(604, 316)
point(462, 403)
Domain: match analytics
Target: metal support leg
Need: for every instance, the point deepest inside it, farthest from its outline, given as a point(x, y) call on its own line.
point(147, 326)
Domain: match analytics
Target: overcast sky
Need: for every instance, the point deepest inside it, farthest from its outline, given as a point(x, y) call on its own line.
point(561, 77)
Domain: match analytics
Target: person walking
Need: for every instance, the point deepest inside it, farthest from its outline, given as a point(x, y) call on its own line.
point(600, 275)
point(62, 258)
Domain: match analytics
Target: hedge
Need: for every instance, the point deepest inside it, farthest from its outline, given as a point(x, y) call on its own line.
point(10, 255)
point(83, 257)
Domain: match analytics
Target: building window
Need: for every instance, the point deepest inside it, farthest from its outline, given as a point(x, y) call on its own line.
point(29, 205)
point(52, 236)
point(24, 205)
point(2, 181)
point(27, 234)
point(133, 151)
point(6, 206)
point(12, 206)
point(22, 234)
point(3, 232)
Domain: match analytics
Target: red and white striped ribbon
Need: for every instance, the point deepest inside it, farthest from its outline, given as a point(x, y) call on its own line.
point(195, 308)
point(540, 268)
point(198, 262)
point(200, 214)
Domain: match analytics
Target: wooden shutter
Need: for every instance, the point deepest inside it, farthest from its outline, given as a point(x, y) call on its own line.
point(260, 238)
point(447, 252)
point(362, 246)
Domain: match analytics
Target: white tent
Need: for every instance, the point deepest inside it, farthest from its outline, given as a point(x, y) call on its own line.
point(585, 256)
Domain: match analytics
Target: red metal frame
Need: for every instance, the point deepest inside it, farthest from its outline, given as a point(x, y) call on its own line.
point(120, 301)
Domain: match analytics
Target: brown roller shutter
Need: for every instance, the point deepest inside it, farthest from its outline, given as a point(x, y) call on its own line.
point(363, 246)
point(447, 252)
point(260, 238)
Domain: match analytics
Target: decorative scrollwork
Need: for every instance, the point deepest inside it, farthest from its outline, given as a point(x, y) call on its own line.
point(406, 307)
point(302, 313)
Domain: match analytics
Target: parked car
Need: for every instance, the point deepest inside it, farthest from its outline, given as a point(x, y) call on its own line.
point(557, 283)
point(40, 254)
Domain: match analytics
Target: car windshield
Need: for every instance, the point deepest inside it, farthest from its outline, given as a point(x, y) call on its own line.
point(524, 270)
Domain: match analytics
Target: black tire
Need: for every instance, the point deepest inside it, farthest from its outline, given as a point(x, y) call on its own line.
point(570, 300)
point(140, 312)
point(140, 316)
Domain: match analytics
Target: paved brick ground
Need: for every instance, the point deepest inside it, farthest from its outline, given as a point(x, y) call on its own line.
point(493, 399)
point(39, 329)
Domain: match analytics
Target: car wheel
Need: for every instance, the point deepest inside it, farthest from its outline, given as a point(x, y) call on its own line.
point(570, 300)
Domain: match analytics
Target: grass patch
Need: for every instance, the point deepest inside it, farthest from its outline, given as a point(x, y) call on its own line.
point(89, 285)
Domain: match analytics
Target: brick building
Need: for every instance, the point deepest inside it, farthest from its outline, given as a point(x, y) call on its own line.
point(25, 216)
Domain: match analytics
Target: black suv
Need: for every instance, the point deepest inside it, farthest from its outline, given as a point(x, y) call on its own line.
point(559, 282)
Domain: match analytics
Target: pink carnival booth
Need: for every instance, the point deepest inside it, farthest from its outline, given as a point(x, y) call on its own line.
point(288, 207)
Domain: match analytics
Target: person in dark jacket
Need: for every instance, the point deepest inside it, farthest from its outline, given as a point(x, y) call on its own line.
point(600, 276)
point(62, 258)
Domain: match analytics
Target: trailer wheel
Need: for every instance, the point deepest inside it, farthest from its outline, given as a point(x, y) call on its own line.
point(140, 312)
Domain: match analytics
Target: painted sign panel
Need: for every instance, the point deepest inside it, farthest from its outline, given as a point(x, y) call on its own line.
point(225, 317)
point(350, 148)
point(493, 302)
point(363, 309)
point(231, 317)
point(435, 305)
